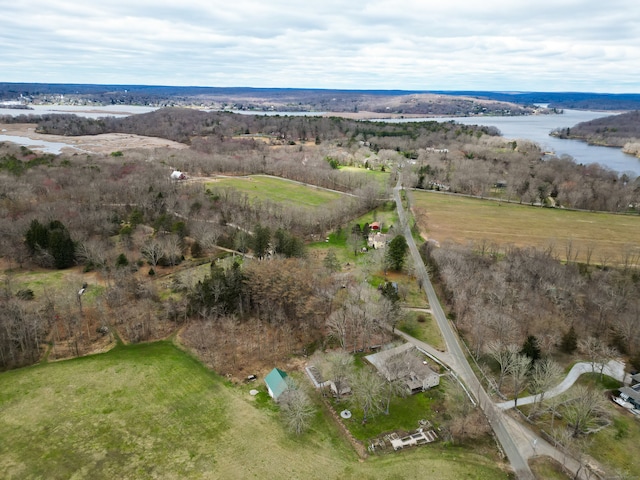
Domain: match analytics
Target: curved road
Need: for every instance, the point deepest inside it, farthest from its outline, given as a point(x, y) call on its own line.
point(612, 369)
point(458, 360)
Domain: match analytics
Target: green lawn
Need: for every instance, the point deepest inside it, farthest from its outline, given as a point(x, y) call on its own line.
point(470, 221)
point(616, 446)
point(422, 326)
point(152, 411)
point(277, 190)
point(404, 414)
point(545, 468)
point(56, 282)
point(381, 177)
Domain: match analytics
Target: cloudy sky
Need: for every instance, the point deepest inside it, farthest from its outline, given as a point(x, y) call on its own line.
point(525, 45)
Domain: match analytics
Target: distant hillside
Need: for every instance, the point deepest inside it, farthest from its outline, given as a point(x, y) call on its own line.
point(564, 100)
point(382, 102)
point(614, 131)
point(400, 102)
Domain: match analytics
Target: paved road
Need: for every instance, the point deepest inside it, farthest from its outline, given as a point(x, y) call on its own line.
point(459, 362)
point(612, 369)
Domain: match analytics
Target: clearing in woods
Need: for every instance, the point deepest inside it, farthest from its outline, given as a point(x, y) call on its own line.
point(278, 190)
point(610, 238)
point(153, 411)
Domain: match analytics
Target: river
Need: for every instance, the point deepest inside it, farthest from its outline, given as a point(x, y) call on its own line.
point(537, 127)
point(531, 127)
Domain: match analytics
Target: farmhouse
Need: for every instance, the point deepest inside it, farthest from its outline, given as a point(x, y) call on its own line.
point(276, 383)
point(377, 240)
point(403, 363)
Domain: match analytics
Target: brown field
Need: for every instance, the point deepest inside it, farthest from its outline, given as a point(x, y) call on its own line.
point(103, 143)
point(612, 239)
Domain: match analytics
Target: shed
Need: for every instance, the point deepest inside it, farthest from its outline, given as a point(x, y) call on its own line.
point(276, 383)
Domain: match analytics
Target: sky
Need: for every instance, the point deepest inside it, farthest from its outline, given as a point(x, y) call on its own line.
point(503, 45)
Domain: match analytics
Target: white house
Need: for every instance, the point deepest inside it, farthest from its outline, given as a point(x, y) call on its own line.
point(377, 240)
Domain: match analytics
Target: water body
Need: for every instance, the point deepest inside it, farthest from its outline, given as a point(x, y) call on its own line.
point(531, 127)
point(40, 145)
point(88, 111)
point(537, 127)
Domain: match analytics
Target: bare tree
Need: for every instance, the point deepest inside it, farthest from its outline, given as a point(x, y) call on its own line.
point(338, 326)
point(586, 410)
point(546, 373)
point(504, 356)
point(338, 367)
point(518, 372)
point(467, 421)
point(153, 251)
point(296, 408)
point(367, 392)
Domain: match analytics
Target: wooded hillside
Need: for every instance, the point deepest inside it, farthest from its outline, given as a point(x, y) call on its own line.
point(612, 131)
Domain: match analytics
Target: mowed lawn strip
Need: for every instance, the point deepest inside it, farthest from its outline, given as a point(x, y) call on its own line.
point(466, 220)
point(152, 411)
point(278, 190)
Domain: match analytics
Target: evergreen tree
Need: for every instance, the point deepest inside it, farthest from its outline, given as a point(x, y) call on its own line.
point(390, 291)
point(331, 261)
point(196, 250)
point(53, 238)
point(531, 348)
point(287, 244)
point(37, 237)
point(396, 253)
point(569, 342)
point(122, 260)
point(260, 241)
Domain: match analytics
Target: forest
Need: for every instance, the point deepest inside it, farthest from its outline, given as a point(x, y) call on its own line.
point(621, 131)
point(100, 250)
point(126, 222)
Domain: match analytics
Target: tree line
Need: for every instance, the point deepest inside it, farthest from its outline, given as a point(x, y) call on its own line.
point(508, 296)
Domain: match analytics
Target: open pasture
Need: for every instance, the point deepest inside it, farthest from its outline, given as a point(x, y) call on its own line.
point(152, 411)
point(259, 187)
point(381, 177)
point(608, 238)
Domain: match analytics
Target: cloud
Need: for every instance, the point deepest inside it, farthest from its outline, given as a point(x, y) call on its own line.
point(394, 44)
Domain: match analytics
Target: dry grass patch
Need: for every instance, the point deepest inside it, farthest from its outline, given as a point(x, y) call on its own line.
point(463, 220)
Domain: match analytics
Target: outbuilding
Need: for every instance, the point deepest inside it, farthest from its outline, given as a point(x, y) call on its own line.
point(276, 383)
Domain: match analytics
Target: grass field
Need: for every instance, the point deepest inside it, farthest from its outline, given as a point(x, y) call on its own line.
point(278, 190)
point(381, 177)
point(547, 469)
point(426, 330)
point(55, 282)
point(152, 411)
point(470, 221)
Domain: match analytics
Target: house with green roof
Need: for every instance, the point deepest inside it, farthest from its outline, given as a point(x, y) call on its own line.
point(276, 383)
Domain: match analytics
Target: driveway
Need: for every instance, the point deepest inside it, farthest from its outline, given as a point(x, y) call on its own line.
point(613, 369)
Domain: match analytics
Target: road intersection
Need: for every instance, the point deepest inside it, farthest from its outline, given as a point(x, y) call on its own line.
point(517, 441)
